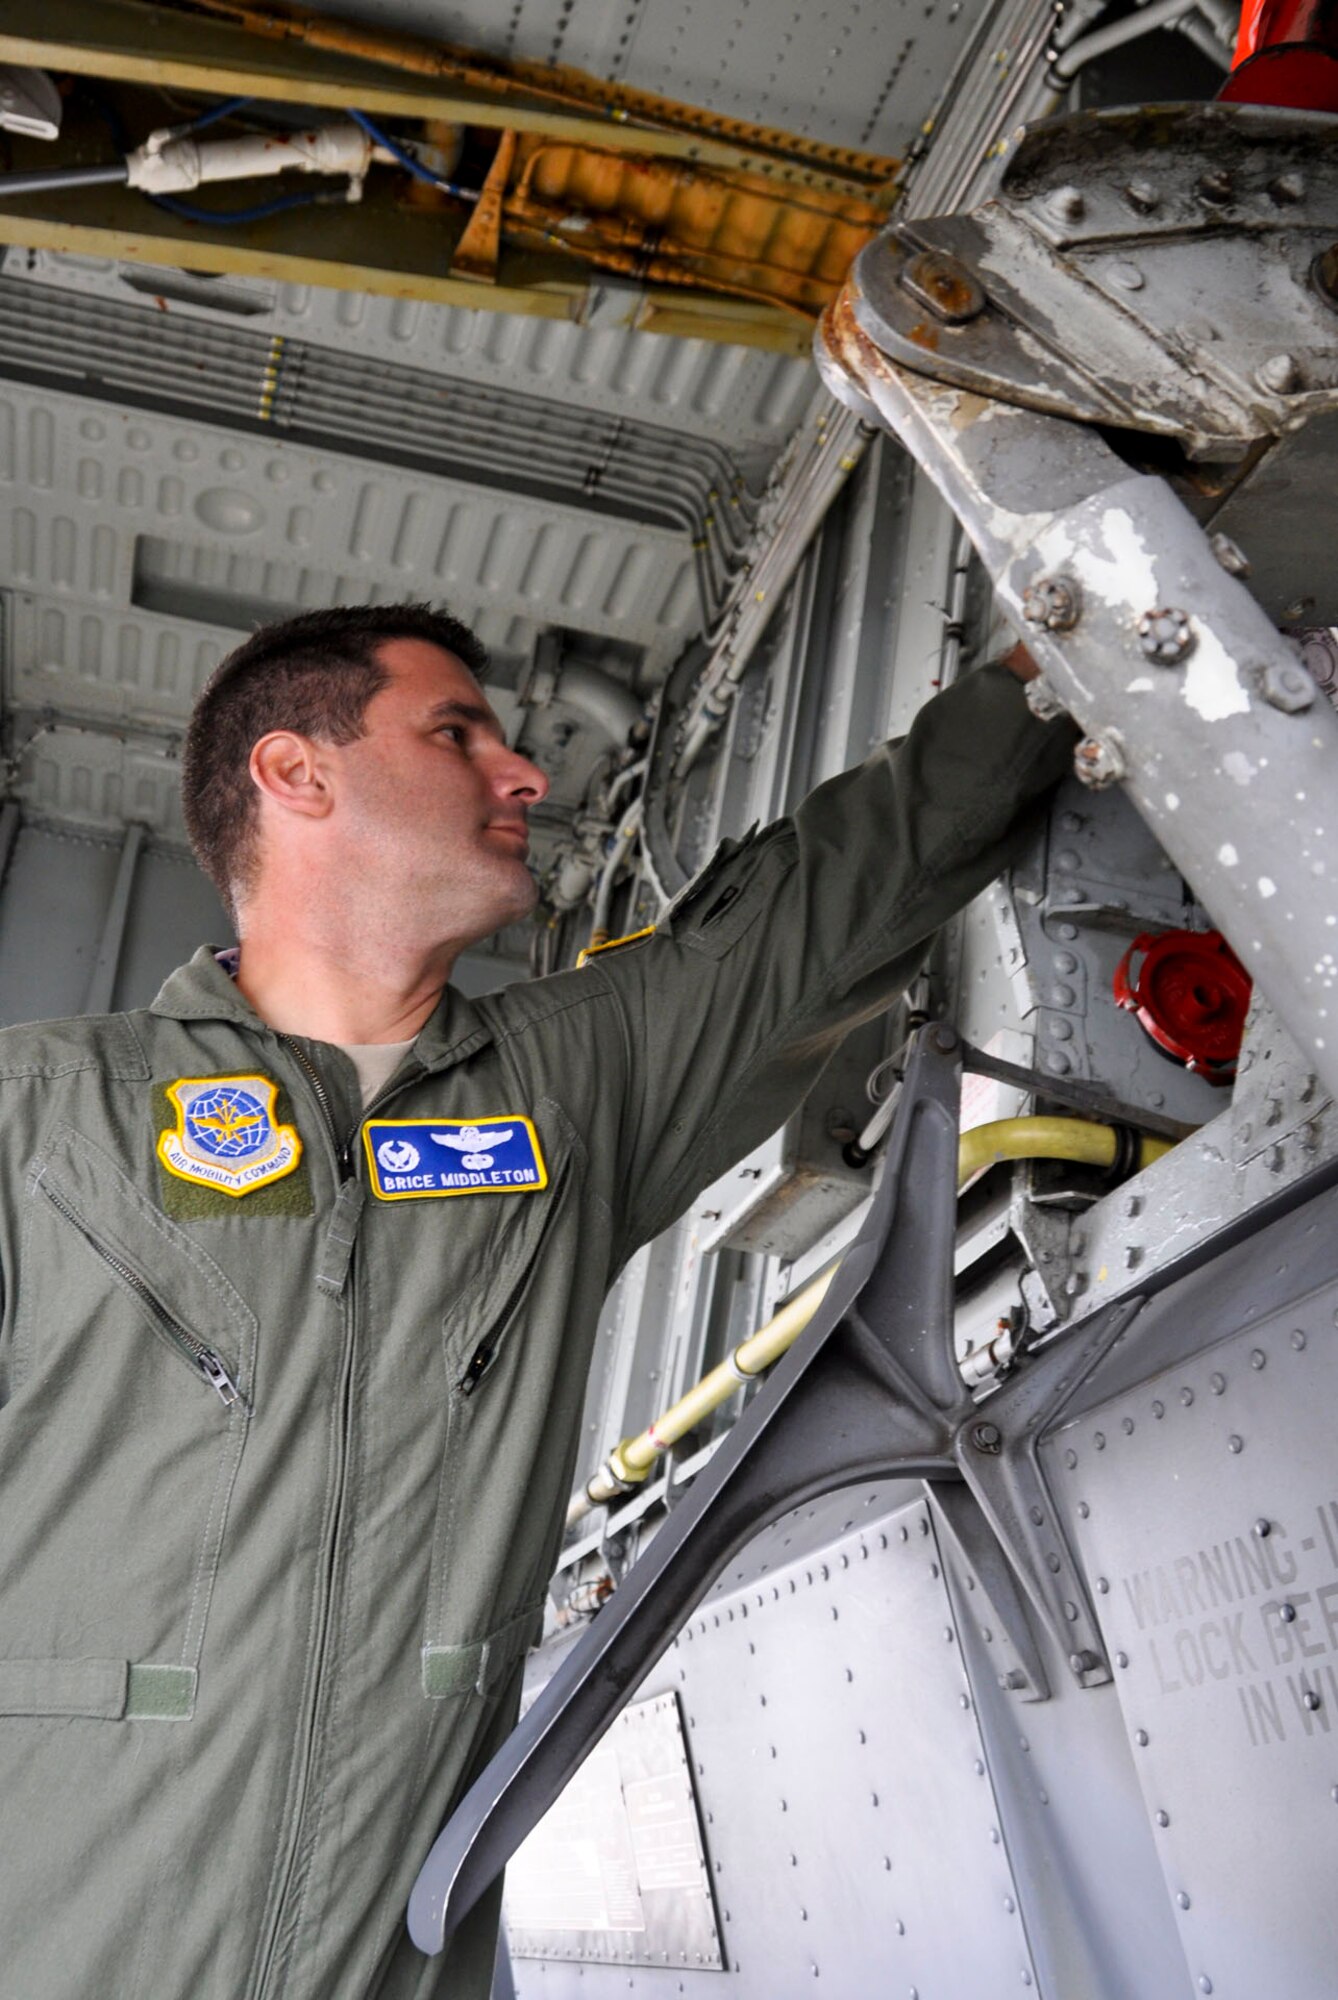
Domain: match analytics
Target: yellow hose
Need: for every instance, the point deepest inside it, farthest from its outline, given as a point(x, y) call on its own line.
point(630, 1462)
point(1046, 1139)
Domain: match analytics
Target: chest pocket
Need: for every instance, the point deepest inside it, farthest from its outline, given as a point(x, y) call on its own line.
point(119, 1446)
point(500, 1341)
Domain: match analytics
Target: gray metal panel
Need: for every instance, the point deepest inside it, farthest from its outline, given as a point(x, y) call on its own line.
point(286, 525)
point(1198, 1483)
point(745, 399)
point(840, 1769)
point(53, 905)
point(861, 76)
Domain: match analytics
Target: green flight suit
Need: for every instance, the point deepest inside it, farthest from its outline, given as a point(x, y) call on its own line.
point(252, 1645)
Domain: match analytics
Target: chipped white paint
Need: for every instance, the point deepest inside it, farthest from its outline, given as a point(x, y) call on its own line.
point(1173, 801)
point(1227, 855)
point(1267, 887)
point(1140, 686)
point(1213, 684)
point(1237, 766)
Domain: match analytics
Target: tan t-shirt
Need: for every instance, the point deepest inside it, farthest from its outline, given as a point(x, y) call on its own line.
point(376, 1063)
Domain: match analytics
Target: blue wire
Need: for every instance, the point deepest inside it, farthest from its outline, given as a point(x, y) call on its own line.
point(224, 110)
point(228, 217)
point(406, 159)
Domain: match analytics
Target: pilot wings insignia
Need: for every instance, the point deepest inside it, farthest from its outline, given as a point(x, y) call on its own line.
point(471, 1141)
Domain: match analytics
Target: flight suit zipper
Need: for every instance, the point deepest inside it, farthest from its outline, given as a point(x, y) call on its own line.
point(343, 1162)
point(206, 1361)
point(343, 1153)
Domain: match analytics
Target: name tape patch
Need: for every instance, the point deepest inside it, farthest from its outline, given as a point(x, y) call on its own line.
point(412, 1159)
point(226, 1135)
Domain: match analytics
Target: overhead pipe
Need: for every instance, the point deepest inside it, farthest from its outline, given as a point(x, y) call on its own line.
point(631, 1462)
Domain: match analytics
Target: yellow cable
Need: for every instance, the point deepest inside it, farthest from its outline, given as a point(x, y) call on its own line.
point(631, 1461)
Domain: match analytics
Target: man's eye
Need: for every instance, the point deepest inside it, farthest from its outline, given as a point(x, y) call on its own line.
point(454, 730)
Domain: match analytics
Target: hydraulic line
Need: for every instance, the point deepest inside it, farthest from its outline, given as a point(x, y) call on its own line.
point(633, 1460)
point(1079, 1139)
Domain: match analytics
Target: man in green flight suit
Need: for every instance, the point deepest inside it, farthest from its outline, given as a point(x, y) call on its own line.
point(302, 1267)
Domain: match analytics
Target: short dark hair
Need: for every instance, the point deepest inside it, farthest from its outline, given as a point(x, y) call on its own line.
point(314, 674)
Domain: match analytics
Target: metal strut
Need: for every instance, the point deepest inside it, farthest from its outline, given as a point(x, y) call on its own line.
point(870, 1391)
point(1126, 301)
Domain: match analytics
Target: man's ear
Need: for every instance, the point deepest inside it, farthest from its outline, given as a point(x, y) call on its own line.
point(290, 770)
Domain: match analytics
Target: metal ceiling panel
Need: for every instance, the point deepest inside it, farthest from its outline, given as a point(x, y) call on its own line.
point(742, 399)
point(106, 505)
point(864, 74)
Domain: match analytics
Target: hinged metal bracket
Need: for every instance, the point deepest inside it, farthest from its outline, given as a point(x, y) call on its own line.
point(871, 1390)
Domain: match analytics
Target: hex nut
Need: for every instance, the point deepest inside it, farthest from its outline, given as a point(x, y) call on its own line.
point(1289, 688)
point(1042, 700)
point(1101, 760)
point(1166, 635)
point(1054, 602)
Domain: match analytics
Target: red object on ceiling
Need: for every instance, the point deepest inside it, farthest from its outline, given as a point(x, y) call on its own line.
point(1191, 993)
point(1286, 54)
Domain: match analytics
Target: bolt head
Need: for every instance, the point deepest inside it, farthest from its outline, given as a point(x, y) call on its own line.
point(1280, 375)
point(1288, 687)
point(1232, 558)
point(1215, 188)
point(1083, 1662)
point(1287, 188)
point(1324, 275)
point(1142, 197)
point(1066, 204)
point(1166, 635)
point(987, 1437)
point(944, 286)
point(1126, 275)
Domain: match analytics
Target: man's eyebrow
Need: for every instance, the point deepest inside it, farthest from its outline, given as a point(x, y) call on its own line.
point(454, 710)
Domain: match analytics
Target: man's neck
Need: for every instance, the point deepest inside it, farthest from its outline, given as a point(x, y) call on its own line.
point(345, 990)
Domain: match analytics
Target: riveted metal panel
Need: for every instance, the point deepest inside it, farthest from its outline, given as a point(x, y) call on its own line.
point(1199, 1485)
point(838, 1763)
point(863, 75)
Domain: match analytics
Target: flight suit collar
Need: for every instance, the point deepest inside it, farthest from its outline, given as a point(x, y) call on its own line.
point(203, 990)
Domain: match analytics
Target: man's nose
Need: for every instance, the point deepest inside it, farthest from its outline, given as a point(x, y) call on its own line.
point(517, 778)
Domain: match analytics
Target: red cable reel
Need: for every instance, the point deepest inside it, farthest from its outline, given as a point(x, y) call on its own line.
point(1190, 993)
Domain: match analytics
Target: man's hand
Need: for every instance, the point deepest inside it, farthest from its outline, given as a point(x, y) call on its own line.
point(1020, 662)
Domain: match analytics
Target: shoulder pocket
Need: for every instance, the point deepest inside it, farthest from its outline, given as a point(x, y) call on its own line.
point(737, 884)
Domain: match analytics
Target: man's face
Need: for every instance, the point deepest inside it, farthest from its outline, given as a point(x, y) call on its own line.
point(432, 803)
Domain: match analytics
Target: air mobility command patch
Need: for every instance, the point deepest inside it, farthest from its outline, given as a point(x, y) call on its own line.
point(227, 1137)
point(414, 1159)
